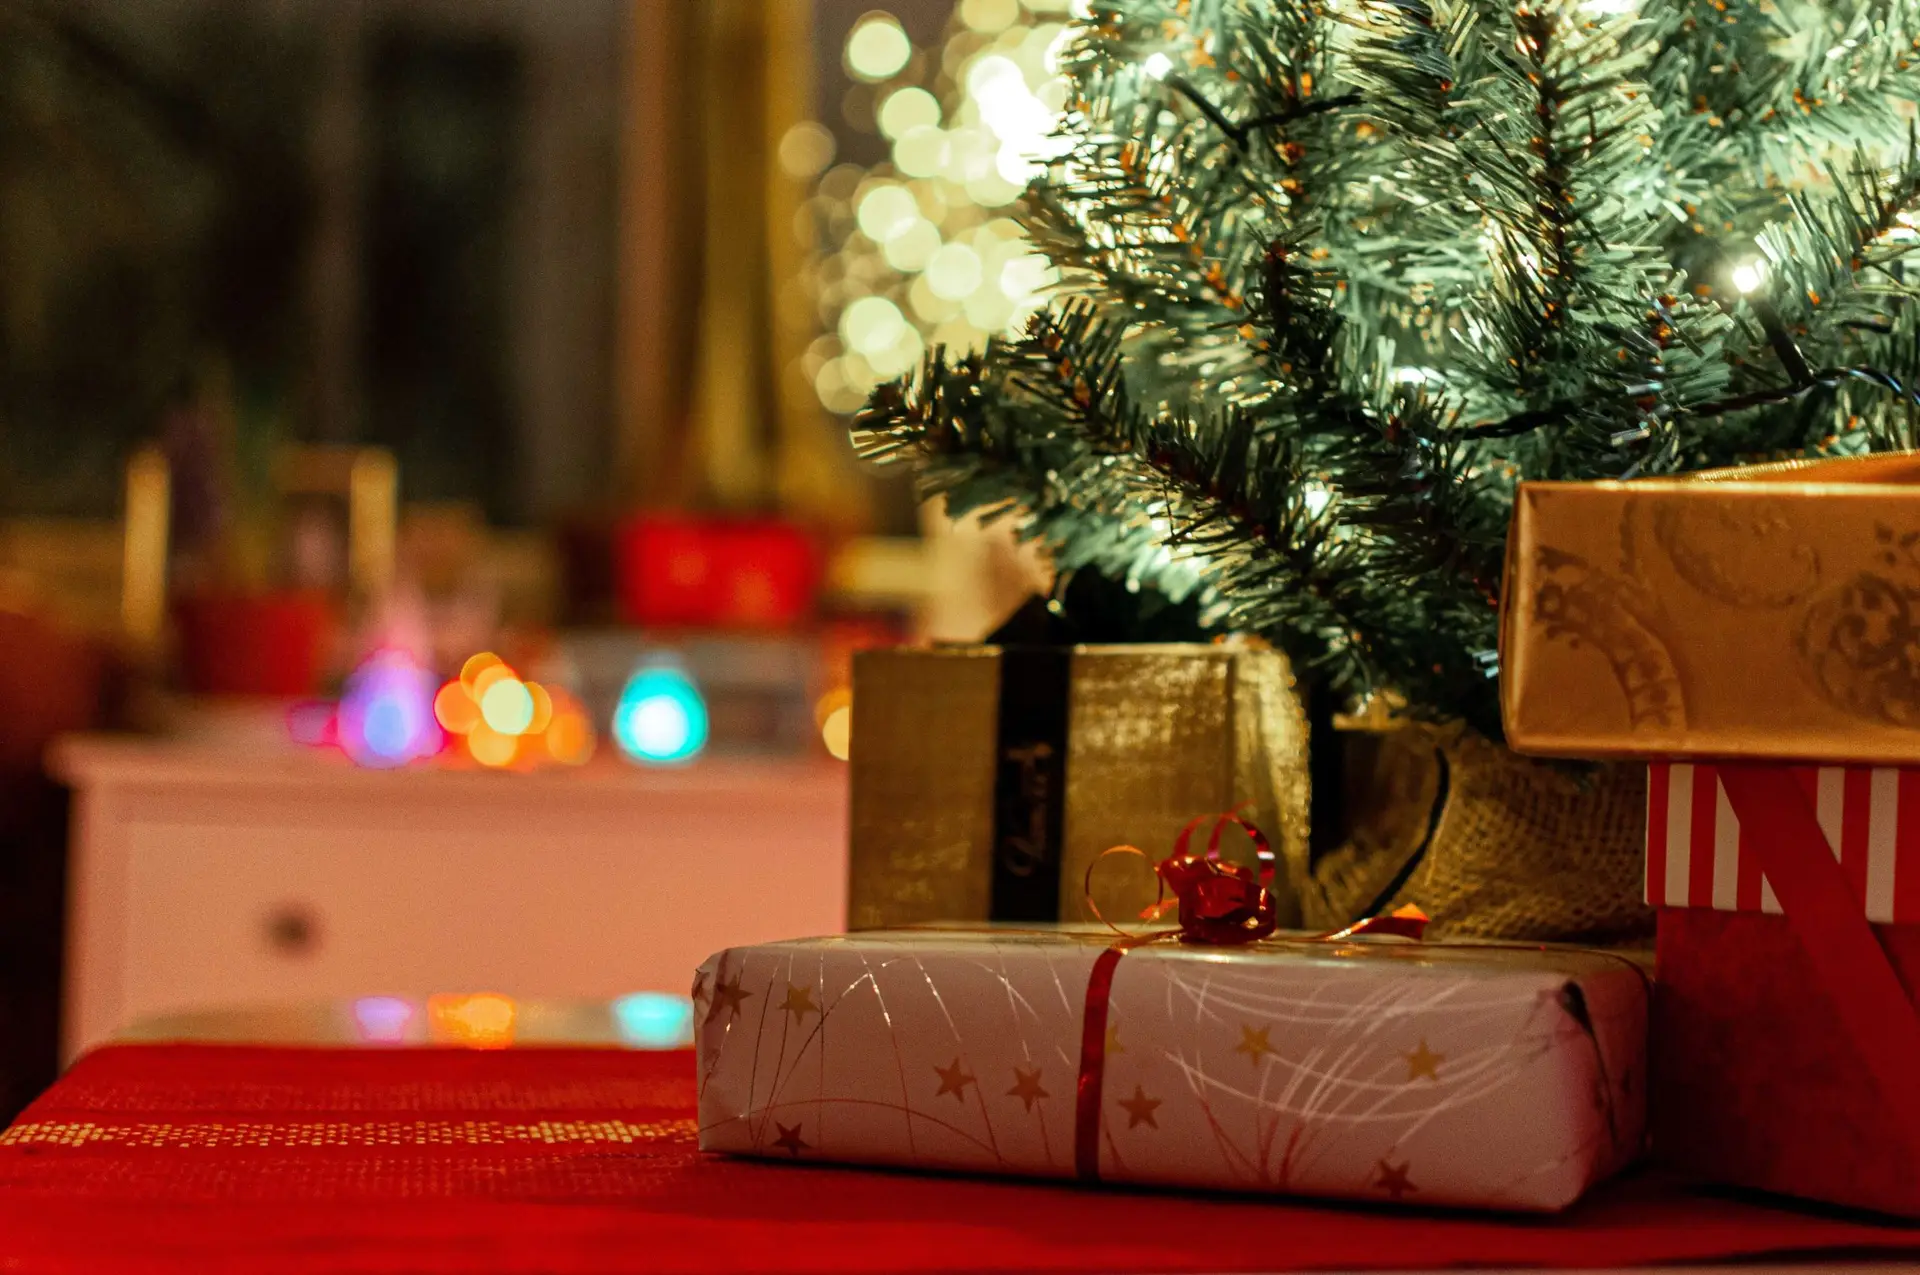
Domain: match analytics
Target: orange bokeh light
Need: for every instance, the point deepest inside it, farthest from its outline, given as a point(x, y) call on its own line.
point(556, 728)
point(455, 710)
point(474, 667)
point(490, 748)
point(542, 709)
point(569, 736)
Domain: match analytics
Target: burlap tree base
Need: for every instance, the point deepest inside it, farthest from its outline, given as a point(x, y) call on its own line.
point(1488, 843)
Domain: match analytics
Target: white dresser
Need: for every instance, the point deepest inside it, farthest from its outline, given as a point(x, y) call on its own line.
point(210, 875)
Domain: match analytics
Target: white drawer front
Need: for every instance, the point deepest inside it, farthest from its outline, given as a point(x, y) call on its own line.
point(294, 899)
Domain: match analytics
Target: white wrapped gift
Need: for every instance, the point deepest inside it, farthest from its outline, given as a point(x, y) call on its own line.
point(1427, 1073)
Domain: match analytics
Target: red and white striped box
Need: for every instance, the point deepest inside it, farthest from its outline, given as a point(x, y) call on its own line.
point(1757, 1080)
point(1696, 856)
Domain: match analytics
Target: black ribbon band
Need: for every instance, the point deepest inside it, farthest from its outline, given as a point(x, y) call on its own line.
point(1030, 784)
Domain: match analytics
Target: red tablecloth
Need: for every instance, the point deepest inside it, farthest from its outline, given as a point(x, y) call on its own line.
point(211, 1158)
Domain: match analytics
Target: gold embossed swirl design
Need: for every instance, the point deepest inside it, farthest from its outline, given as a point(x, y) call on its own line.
point(1580, 602)
point(1859, 643)
point(1748, 555)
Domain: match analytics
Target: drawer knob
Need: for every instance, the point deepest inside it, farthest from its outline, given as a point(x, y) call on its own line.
point(292, 930)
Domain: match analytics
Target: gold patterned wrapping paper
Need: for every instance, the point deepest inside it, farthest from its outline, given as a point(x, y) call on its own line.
point(1763, 612)
point(1428, 1074)
point(1154, 735)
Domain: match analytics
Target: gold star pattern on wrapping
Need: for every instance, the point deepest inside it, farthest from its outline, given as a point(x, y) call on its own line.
point(1424, 1062)
point(790, 1139)
point(1393, 1179)
point(799, 1003)
point(953, 1080)
point(1253, 1042)
point(1139, 1109)
point(1113, 1040)
point(727, 998)
point(699, 987)
point(1026, 1087)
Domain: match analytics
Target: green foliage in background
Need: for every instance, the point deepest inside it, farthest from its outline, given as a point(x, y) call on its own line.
point(1337, 276)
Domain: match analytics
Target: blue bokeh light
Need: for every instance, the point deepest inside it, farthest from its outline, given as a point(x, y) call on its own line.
point(386, 712)
point(661, 717)
point(654, 1020)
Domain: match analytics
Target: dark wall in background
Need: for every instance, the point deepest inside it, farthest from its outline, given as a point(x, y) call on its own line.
point(396, 218)
point(443, 117)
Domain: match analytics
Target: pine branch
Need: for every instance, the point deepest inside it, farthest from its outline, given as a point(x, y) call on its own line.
point(1339, 281)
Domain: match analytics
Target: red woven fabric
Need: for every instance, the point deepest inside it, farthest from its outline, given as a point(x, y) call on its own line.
point(216, 1159)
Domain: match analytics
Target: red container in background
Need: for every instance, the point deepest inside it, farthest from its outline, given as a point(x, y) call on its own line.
point(270, 644)
point(676, 571)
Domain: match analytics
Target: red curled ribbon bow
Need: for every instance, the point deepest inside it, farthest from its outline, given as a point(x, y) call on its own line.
point(1220, 905)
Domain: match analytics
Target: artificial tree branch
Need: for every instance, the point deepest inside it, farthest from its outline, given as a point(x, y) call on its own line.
point(1242, 132)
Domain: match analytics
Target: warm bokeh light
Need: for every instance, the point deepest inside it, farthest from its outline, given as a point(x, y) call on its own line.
point(920, 251)
point(491, 748)
point(954, 272)
point(872, 324)
point(474, 667)
point(908, 109)
point(833, 714)
point(878, 47)
point(507, 706)
point(455, 709)
point(837, 732)
point(806, 150)
point(887, 211)
point(569, 736)
point(542, 715)
point(481, 1021)
point(989, 17)
point(507, 720)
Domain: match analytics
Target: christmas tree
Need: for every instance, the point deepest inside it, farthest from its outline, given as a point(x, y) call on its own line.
point(1335, 277)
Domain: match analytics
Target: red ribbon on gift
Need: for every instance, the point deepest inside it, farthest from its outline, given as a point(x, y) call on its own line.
point(1876, 1011)
point(1220, 904)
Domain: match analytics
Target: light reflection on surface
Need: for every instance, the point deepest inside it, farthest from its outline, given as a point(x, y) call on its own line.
point(654, 1020)
point(383, 1020)
point(481, 1021)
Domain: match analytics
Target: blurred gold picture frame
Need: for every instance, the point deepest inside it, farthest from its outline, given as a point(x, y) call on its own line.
point(368, 478)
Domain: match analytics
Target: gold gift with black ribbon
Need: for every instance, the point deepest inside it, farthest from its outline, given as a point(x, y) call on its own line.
point(1770, 611)
point(986, 779)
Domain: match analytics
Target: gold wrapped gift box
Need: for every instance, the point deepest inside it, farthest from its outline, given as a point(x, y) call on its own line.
point(985, 780)
point(1772, 611)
